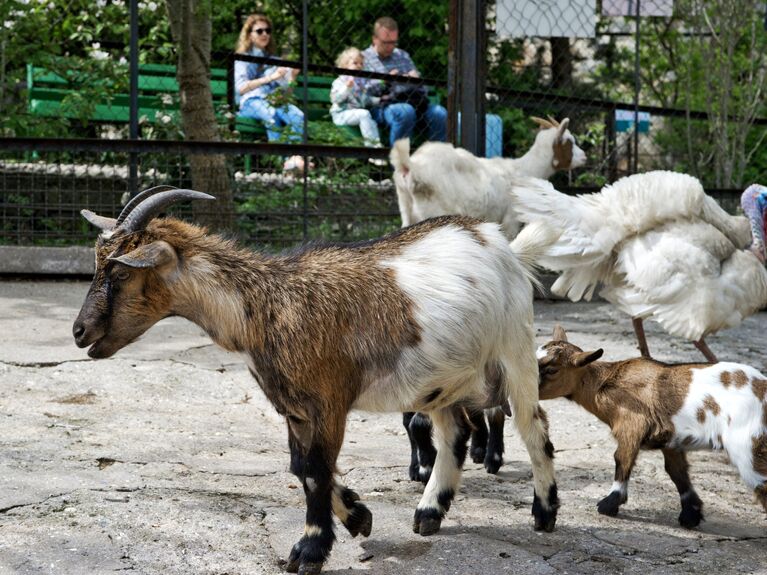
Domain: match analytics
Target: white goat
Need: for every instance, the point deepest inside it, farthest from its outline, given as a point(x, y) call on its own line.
point(674, 408)
point(439, 179)
point(412, 321)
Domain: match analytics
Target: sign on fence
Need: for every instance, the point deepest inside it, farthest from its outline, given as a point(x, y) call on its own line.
point(624, 121)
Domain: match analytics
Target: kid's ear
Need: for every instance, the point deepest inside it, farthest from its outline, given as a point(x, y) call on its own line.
point(559, 333)
point(586, 357)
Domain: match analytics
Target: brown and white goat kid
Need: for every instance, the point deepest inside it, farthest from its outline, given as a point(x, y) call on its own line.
point(671, 407)
point(439, 179)
point(411, 321)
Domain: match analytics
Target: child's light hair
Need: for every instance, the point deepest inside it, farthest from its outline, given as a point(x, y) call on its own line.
point(348, 55)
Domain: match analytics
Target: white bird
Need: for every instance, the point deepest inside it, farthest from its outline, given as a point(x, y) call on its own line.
point(660, 247)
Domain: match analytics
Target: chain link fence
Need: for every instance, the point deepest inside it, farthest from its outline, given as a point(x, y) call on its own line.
point(699, 108)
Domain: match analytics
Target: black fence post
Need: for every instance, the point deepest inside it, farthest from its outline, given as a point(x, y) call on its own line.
point(305, 82)
point(610, 147)
point(467, 80)
point(453, 51)
point(637, 87)
point(133, 97)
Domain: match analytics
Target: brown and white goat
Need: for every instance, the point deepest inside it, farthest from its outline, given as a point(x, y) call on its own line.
point(411, 321)
point(671, 407)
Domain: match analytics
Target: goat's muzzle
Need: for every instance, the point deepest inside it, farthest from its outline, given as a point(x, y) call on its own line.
point(89, 333)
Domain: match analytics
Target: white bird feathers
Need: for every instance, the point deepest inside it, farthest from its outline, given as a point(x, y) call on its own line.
point(660, 247)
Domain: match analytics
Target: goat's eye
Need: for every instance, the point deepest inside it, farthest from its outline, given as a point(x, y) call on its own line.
point(549, 370)
point(122, 275)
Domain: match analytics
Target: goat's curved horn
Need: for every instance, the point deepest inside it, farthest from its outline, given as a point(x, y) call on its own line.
point(541, 122)
point(140, 216)
point(140, 197)
point(104, 224)
point(553, 121)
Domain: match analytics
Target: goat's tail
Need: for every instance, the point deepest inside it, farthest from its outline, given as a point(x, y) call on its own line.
point(531, 244)
point(400, 155)
point(403, 181)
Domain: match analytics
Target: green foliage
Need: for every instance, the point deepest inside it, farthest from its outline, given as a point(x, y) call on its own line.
point(712, 62)
point(339, 191)
point(682, 63)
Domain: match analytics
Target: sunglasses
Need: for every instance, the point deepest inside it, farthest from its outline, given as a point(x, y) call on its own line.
point(260, 31)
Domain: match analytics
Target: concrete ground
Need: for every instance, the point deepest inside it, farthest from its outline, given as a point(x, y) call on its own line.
point(168, 459)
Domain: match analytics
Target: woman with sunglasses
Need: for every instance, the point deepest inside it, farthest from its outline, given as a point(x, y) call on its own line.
point(254, 82)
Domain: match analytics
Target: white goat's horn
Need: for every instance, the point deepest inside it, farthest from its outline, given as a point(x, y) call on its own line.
point(541, 122)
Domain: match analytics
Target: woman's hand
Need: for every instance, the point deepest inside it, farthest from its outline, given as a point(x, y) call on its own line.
point(279, 73)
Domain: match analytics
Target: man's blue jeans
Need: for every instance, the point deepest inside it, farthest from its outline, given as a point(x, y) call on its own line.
point(401, 119)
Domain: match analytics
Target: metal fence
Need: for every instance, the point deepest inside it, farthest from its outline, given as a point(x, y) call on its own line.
point(603, 68)
point(343, 198)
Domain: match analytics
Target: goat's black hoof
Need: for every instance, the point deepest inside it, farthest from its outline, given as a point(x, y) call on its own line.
point(424, 474)
point(690, 520)
point(546, 519)
point(310, 568)
point(412, 472)
point(611, 504)
point(308, 555)
point(477, 454)
point(427, 521)
point(294, 565)
point(692, 513)
point(360, 521)
point(548, 524)
point(428, 526)
point(493, 462)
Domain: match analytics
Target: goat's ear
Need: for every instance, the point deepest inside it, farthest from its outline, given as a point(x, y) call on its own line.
point(559, 333)
point(152, 255)
point(586, 357)
point(562, 128)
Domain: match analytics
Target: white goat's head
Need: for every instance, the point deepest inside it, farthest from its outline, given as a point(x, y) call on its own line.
point(555, 136)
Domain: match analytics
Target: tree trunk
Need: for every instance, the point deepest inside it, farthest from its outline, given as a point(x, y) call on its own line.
point(190, 22)
point(561, 63)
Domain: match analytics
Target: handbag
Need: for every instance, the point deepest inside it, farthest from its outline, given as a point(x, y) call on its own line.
point(416, 96)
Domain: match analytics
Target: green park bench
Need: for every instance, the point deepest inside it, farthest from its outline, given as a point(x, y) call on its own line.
point(48, 93)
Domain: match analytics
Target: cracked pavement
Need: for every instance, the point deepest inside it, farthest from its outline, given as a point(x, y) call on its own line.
point(168, 459)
